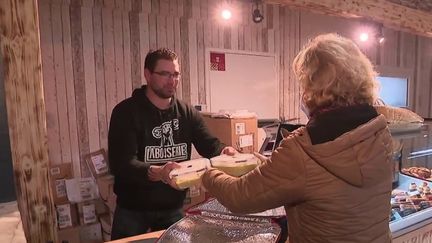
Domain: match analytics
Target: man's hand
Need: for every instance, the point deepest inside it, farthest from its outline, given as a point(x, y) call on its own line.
point(229, 150)
point(161, 173)
point(154, 173)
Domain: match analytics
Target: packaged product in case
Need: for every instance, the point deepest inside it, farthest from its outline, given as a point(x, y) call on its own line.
point(235, 165)
point(87, 213)
point(97, 163)
point(58, 175)
point(66, 215)
point(190, 173)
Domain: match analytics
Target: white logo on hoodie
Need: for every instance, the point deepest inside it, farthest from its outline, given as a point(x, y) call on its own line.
point(168, 150)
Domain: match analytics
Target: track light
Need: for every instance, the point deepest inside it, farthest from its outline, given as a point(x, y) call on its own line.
point(226, 14)
point(257, 17)
point(364, 37)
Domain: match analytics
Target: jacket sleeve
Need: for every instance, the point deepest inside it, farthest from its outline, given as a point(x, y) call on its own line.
point(205, 143)
point(122, 147)
point(277, 182)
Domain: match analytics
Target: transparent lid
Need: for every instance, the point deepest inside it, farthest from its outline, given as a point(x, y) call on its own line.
point(190, 166)
point(415, 155)
point(236, 160)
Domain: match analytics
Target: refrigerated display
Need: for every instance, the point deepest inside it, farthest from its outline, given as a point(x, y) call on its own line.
point(411, 213)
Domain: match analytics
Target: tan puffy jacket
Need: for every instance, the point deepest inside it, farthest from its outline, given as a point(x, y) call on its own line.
point(338, 191)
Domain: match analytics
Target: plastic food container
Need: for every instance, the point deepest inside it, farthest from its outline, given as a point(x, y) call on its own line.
point(190, 173)
point(235, 165)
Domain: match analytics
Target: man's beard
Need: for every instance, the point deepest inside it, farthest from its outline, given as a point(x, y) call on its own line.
point(161, 94)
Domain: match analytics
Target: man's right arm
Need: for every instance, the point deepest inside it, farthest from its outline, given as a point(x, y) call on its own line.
point(123, 147)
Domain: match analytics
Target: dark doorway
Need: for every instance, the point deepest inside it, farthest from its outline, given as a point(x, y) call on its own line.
point(7, 187)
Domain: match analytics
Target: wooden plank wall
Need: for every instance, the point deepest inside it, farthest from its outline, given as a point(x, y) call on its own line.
point(93, 51)
point(25, 107)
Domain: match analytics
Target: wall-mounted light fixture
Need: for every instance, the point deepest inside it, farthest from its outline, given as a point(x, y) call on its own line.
point(257, 17)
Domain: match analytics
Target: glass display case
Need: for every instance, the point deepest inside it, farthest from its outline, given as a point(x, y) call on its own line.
point(412, 181)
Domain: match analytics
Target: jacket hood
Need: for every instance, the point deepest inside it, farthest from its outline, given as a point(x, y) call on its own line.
point(343, 156)
point(139, 92)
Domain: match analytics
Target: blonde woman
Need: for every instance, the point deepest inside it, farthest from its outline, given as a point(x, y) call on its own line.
point(334, 175)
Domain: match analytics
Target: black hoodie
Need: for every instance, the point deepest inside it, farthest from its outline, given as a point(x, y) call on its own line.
point(140, 135)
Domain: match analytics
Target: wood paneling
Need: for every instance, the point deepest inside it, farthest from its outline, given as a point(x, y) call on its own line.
point(70, 93)
point(80, 85)
point(103, 52)
point(390, 14)
point(23, 86)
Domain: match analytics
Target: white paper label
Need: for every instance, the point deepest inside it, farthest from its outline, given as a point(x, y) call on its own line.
point(89, 214)
point(85, 190)
point(81, 189)
point(246, 141)
point(91, 233)
point(55, 171)
point(64, 216)
point(194, 191)
point(60, 188)
point(240, 128)
point(99, 164)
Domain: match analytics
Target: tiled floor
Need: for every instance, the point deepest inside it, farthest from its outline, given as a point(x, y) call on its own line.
point(10, 224)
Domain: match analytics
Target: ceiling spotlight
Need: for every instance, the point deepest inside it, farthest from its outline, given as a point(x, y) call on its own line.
point(364, 37)
point(257, 17)
point(226, 14)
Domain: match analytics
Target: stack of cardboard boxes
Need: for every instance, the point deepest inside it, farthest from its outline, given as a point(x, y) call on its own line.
point(82, 203)
point(106, 192)
point(76, 206)
point(238, 132)
point(99, 168)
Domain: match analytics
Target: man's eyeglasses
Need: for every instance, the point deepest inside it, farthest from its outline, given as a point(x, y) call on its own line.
point(168, 75)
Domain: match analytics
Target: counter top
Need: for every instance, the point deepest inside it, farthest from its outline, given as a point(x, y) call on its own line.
point(144, 238)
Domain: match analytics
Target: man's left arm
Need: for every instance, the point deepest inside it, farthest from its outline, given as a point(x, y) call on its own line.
point(206, 144)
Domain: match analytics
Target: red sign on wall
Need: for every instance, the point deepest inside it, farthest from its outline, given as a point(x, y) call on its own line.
point(217, 61)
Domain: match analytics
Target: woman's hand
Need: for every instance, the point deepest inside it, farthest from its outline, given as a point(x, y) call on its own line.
point(229, 150)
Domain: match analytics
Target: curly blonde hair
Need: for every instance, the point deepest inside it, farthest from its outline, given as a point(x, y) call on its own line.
point(332, 71)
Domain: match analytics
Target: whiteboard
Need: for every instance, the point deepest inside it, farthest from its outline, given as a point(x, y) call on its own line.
point(250, 82)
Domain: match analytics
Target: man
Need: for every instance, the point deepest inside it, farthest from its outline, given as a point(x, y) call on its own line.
point(149, 132)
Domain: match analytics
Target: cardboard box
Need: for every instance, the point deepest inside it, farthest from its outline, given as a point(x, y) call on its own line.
point(101, 207)
point(111, 203)
point(106, 223)
point(87, 213)
point(194, 195)
point(97, 163)
point(106, 186)
point(66, 215)
point(70, 235)
point(58, 174)
point(81, 189)
point(240, 133)
point(91, 233)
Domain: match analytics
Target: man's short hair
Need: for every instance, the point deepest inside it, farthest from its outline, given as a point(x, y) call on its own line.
point(154, 56)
